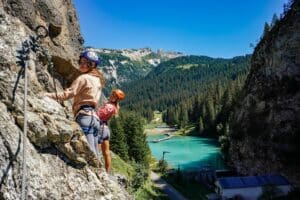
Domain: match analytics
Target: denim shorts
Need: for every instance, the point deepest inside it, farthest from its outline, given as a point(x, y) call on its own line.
point(89, 124)
point(104, 133)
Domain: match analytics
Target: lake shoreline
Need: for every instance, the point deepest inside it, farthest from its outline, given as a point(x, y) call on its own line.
point(189, 152)
point(159, 130)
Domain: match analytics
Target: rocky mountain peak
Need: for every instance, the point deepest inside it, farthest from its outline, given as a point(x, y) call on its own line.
point(139, 54)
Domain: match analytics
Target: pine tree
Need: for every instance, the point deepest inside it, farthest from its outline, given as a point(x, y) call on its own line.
point(266, 29)
point(201, 125)
point(210, 116)
point(183, 117)
point(274, 20)
point(226, 106)
point(195, 110)
point(171, 117)
point(286, 8)
point(218, 95)
point(118, 139)
point(138, 149)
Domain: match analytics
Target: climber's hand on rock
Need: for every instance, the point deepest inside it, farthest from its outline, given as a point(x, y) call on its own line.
point(47, 94)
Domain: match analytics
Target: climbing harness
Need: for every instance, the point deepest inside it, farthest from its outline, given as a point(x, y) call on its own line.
point(32, 44)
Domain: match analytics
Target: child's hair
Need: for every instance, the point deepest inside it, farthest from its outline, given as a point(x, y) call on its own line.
point(119, 94)
point(114, 101)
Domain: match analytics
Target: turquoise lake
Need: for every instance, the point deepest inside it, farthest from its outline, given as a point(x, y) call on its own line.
point(187, 152)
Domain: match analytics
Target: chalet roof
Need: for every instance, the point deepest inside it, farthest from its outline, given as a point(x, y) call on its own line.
point(252, 181)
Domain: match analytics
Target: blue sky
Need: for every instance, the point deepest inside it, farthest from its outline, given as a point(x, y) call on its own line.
point(220, 28)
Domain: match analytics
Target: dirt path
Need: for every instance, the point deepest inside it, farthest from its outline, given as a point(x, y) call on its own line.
point(172, 193)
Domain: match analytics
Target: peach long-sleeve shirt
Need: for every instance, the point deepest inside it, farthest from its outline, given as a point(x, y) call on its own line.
point(86, 90)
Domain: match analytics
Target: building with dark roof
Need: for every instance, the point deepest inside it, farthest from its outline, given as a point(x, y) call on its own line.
point(250, 187)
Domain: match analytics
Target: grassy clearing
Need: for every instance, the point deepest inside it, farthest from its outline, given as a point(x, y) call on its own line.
point(157, 121)
point(146, 191)
point(187, 66)
point(121, 167)
point(188, 130)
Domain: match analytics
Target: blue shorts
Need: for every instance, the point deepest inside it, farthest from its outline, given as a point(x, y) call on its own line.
point(104, 133)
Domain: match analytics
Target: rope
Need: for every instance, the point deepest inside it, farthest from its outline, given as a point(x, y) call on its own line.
point(31, 44)
point(103, 99)
point(53, 79)
point(24, 170)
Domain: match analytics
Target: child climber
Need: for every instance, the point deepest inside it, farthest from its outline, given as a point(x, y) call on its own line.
point(105, 112)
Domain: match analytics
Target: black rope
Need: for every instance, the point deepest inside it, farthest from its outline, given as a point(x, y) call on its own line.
point(33, 44)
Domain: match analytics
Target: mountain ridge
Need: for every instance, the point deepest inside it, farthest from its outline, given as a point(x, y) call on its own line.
point(125, 65)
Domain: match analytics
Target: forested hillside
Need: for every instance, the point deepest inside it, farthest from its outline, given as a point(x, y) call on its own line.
point(181, 86)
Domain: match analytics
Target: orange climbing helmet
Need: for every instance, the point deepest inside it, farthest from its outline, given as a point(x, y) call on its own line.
point(119, 94)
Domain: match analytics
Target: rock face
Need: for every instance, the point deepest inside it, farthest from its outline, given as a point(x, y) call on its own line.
point(266, 129)
point(59, 163)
